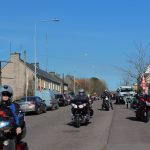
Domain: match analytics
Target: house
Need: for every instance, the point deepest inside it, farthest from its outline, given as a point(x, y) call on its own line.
point(147, 76)
point(64, 85)
point(21, 76)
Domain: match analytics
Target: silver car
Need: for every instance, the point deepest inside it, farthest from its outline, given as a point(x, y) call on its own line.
point(32, 104)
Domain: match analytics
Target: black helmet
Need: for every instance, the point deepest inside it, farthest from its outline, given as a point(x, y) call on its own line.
point(6, 90)
point(81, 92)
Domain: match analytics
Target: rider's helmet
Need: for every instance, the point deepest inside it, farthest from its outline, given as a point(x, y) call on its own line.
point(81, 92)
point(105, 91)
point(6, 90)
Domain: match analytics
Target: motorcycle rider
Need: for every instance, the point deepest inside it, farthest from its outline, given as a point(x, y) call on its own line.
point(11, 109)
point(83, 97)
point(105, 94)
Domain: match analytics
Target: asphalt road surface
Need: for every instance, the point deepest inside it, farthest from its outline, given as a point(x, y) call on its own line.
point(109, 130)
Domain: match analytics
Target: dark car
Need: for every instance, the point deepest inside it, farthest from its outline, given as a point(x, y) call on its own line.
point(62, 99)
point(32, 104)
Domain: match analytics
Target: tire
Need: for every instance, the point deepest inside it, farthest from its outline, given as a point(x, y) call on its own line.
point(38, 111)
point(11, 146)
point(57, 106)
point(137, 115)
point(45, 110)
point(107, 106)
point(77, 121)
point(146, 117)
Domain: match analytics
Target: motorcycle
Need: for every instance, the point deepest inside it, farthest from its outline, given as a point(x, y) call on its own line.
point(7, 132)
point(105, 104)
point(143, 111)
point(80, 113)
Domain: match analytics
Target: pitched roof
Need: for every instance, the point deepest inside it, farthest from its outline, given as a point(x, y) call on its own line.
point(43, 74)
point(58, 78)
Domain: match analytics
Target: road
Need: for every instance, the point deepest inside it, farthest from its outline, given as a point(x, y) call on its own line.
point(109, 130)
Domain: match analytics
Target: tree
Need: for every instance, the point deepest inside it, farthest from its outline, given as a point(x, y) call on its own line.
point(97, 85)
point(90, 85)
point(137, 64)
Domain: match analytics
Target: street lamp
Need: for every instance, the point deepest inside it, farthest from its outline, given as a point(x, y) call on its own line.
point(35, 48)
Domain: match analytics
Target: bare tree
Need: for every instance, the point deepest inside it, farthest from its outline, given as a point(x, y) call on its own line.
point(137, 64)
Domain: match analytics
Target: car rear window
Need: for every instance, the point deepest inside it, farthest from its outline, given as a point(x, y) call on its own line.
point(127, 90)
point(28, 99)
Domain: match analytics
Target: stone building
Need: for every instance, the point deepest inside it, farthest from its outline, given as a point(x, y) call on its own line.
point(21, 76)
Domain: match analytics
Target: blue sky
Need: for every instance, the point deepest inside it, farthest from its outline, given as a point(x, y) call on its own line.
point(92, 38)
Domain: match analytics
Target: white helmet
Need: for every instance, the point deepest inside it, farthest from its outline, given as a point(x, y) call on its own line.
point(6, 90)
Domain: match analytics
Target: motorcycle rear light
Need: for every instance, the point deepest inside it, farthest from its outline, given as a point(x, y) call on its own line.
point(2, 114)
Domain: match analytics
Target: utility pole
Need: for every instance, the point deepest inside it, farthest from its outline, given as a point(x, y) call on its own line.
point(25, 72)
point(63, 84)
point(46, 52)
point(74, 85)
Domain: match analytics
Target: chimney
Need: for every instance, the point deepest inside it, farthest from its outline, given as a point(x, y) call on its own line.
point(15, 56)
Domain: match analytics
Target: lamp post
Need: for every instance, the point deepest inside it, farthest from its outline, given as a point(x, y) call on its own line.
point(74, 85)
point(35, 59)
point(35, 49)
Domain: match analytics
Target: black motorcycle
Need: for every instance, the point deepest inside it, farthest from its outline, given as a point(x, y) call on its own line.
point(143, 111)
point(106, 104)
point(8, 133)
point(80, 112)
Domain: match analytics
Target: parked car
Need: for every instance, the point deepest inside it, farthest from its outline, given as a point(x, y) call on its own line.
point(49, 98)
point(68, 98)
point(62, 100)
point(32, 104)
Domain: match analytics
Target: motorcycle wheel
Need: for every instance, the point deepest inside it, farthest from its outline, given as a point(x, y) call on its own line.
point(11, 146)
point(145, 117)
point(77, 121)
point(107, 107)
point(137, 116)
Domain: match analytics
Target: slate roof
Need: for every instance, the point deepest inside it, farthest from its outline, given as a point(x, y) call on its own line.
point(43, 74)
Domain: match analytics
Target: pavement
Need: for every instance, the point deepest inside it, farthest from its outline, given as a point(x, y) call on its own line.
point(126, 133)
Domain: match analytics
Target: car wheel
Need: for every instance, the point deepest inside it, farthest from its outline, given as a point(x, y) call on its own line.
point(45, 110)
point(38, 111)
point(57, 106)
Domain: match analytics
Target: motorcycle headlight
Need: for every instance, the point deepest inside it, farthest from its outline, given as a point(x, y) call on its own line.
point(84, 105)
point(4, 124)
point(81, 106)
point(74, 106)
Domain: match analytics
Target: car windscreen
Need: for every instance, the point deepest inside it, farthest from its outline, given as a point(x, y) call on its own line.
point(127, 90)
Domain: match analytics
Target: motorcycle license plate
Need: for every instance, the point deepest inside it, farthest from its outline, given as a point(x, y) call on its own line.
point(148, 103)
point(145, 114)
